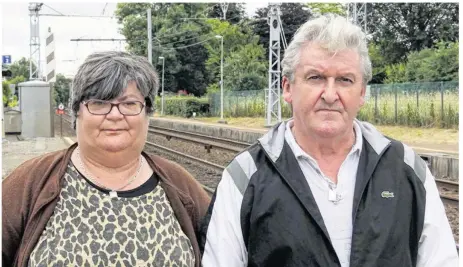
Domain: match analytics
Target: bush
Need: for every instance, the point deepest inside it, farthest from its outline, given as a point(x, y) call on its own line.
point(184, 106)
point(250, 82)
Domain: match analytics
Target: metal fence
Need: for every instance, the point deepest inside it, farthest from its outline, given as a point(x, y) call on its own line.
point(429, 104)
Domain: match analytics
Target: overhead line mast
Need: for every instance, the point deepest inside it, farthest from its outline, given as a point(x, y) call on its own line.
point(273, 92)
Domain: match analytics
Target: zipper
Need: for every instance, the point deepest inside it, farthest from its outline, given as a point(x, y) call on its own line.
point(273, 163)
point(363, 190)
point(361, 194)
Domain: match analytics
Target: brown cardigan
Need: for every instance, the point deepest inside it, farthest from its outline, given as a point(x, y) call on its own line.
point(31, 192)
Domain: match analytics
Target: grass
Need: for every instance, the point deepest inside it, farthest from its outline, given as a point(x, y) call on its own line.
point(426, 112)
point(436, 136)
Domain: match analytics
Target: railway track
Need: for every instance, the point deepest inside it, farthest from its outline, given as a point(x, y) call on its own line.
point(451, 200)
point(210, 142)
point(449, 185)
point(452, 187)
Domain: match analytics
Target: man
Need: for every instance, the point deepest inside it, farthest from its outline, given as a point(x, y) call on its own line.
point(324, 189)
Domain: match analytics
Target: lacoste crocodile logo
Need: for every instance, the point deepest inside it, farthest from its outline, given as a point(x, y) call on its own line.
point(387, 194)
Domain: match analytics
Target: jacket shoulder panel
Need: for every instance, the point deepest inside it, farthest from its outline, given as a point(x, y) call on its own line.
point(418, 165)
point(241, 169)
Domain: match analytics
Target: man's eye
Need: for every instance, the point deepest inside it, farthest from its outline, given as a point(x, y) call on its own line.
point(314, 77)
point(347, 80)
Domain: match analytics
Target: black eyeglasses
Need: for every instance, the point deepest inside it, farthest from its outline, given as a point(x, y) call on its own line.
point(103, 107)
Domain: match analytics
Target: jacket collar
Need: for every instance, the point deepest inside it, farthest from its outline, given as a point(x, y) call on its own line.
point(274, 139)
point(284, 160)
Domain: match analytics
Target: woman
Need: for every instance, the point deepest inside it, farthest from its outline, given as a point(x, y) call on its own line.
point(103, 201)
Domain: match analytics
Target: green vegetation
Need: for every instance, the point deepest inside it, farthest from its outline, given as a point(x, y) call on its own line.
point(424, 111)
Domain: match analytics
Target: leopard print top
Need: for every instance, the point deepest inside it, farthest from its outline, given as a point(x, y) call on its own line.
point(89, 228)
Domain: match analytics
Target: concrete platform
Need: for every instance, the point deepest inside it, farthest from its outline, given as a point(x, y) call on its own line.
point(442, 165)
point(248, 135)
point(15, 151)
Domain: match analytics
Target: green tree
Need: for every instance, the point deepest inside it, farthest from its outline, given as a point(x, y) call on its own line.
point(433, 64)
point(235, 12)
point(61, 89)
point(396, 73)
point(177, 38)
point(293, 15)
point(400, 28)
point(21, 68)
point(8, 98)
point(242, 54)
point(378, 63)
point(318, 9)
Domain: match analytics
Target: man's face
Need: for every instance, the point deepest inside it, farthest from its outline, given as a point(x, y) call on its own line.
point(327, 91)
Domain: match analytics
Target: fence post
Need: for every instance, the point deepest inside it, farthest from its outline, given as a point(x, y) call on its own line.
point(417, 100)
point(442, 102)
point(395, 106)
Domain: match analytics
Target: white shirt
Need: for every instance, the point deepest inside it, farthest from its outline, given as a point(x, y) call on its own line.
point(337, 215)
point(224, 241)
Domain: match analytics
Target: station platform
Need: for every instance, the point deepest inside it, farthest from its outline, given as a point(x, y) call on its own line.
point(15, 151)
point(250, 135)
point(441, 158)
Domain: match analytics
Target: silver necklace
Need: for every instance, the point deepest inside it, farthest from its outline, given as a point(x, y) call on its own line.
point(112, 192)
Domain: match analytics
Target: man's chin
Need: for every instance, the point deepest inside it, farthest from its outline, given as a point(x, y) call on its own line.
point(329, 129)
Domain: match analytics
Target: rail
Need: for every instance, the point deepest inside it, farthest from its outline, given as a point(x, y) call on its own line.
point(204, 162)
point(210, 142)
point(445, 198)
point(238, 146)
point(450, 185)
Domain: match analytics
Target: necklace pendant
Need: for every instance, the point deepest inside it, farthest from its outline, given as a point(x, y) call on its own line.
point(112, 193)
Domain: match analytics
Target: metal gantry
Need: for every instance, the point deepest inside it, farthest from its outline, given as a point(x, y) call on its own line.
point(224, 7)
point(357, 13)
point(34, 58)
point(273, 92)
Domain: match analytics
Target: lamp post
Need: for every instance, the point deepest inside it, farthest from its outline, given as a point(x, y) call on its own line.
point(221, 81)
point(162, 86)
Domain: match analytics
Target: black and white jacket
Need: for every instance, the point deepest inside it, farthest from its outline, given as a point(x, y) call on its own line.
point(264, 214)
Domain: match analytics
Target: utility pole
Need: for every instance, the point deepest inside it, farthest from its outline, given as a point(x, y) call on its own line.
point(150, 37)
point(34, 57)
point(222, 120)
point(273, 93)
point(162, 82)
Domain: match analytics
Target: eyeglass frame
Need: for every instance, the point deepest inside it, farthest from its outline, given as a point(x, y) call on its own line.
point(86, 102)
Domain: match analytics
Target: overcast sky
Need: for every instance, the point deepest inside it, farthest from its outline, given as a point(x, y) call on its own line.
point(68, 54)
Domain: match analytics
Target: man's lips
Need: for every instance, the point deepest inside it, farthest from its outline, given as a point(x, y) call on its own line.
point(330, 110)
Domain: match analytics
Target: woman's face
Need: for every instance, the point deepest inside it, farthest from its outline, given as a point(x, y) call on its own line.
point(114, 132)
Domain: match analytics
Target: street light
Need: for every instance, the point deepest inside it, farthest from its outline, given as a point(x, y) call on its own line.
point(162, 92)
point(221, 81)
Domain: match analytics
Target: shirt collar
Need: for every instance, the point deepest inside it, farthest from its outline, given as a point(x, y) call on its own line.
point(298, 152)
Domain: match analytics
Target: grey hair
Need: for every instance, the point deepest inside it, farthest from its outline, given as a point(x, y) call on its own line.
point(105, 75)
point(332, 32)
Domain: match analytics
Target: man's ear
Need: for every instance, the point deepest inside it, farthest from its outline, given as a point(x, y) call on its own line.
point(287, 93)
point(362, 95)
